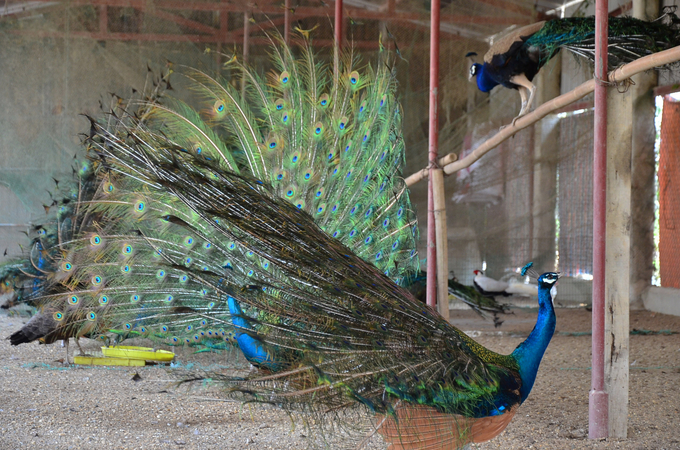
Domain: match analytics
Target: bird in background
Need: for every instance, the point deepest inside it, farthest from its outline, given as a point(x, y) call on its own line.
point(513, 60)
point(202, 225)
point(479, 303)
point(488, 286)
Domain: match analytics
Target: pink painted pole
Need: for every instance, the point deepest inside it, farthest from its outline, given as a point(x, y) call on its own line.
point(433, 157)
point(286, 25)
point(338, 23)
point(598, 410)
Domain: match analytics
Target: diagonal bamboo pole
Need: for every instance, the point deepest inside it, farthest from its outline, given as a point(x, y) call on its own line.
point(622, 73)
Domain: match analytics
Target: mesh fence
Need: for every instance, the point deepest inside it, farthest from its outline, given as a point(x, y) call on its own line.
point(575, 202)
point(63, 59)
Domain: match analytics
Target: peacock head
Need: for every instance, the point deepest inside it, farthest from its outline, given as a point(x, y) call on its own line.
point(548, 280)
point(484, 82)
point(475, 69)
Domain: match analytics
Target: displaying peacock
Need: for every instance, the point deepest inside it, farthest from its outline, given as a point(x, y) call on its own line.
point(344, 169)
point(516, 58)
point(195, 227)
point(331, 146)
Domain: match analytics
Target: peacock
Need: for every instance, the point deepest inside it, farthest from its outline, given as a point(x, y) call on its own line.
point(516, 58)
point(198, 226)
point(466, 294)
point(345, 170)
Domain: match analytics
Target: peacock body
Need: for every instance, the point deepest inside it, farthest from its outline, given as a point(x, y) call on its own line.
point(352, 337)
point(514, 60)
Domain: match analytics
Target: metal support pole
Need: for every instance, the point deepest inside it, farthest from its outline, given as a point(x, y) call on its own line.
point(338, 23)
point(433, 149)
point(598, 410)
point(286, 25)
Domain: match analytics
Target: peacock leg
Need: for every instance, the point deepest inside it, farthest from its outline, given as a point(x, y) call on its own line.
point(523, 82)
point(65, 342)
point(79, 347)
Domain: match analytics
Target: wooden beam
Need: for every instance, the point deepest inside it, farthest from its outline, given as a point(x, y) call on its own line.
point(617, 257)
point(230, 38)
point(544, 201)
point(302, 11)
point(179, 20)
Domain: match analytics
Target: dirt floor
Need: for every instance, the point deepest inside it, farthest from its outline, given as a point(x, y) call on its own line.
point(45, 405)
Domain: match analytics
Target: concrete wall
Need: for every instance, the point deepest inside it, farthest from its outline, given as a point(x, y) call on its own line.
point(45, 86)
point(662, 300)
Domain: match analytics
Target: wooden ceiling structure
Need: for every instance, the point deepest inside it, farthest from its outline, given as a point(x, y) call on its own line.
point(221, 21)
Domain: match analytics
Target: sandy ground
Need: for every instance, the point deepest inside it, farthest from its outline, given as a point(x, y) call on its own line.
point(45, 405)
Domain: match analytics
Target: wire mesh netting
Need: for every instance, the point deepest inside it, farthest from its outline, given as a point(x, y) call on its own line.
point(64, 59)
point(576, 194)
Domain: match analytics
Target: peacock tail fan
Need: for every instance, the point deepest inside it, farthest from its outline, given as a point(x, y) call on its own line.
point(629, 38)
point(271, 132)
point(178, 239)
point(331, 145)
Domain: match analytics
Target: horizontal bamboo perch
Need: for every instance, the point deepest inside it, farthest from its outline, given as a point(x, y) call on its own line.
point(443, 161)
point(622, 73)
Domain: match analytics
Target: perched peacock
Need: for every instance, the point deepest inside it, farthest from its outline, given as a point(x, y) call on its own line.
point(516, 58)
point(195, 227)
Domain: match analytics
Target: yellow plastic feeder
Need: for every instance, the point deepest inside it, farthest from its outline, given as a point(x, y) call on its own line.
point(138, 353)
point(103, 361)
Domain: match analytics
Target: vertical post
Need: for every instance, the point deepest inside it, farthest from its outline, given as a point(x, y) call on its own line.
point(598, 410)
point(617, 270)
point(433, 149)
point(224, 29)
point(286, 24)
point(642, 171)
point(442, 241)
point(338, 23)
point(246, 46)
point(546, 134)
point(103, 19)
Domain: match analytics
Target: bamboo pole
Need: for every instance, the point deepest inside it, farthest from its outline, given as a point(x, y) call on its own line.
point(443, 161)
point(622, 73)
point(442, 240)
point(433, 156)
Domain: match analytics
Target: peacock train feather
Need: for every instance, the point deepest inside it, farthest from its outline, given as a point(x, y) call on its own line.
point(330, 145)
point(339, 339)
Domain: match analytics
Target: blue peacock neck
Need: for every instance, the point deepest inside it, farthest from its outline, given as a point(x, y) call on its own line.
point(484, 82)
point(529, 353)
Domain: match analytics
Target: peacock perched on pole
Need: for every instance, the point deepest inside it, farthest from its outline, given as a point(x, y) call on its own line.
point(514, 60)
point(194, 227)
